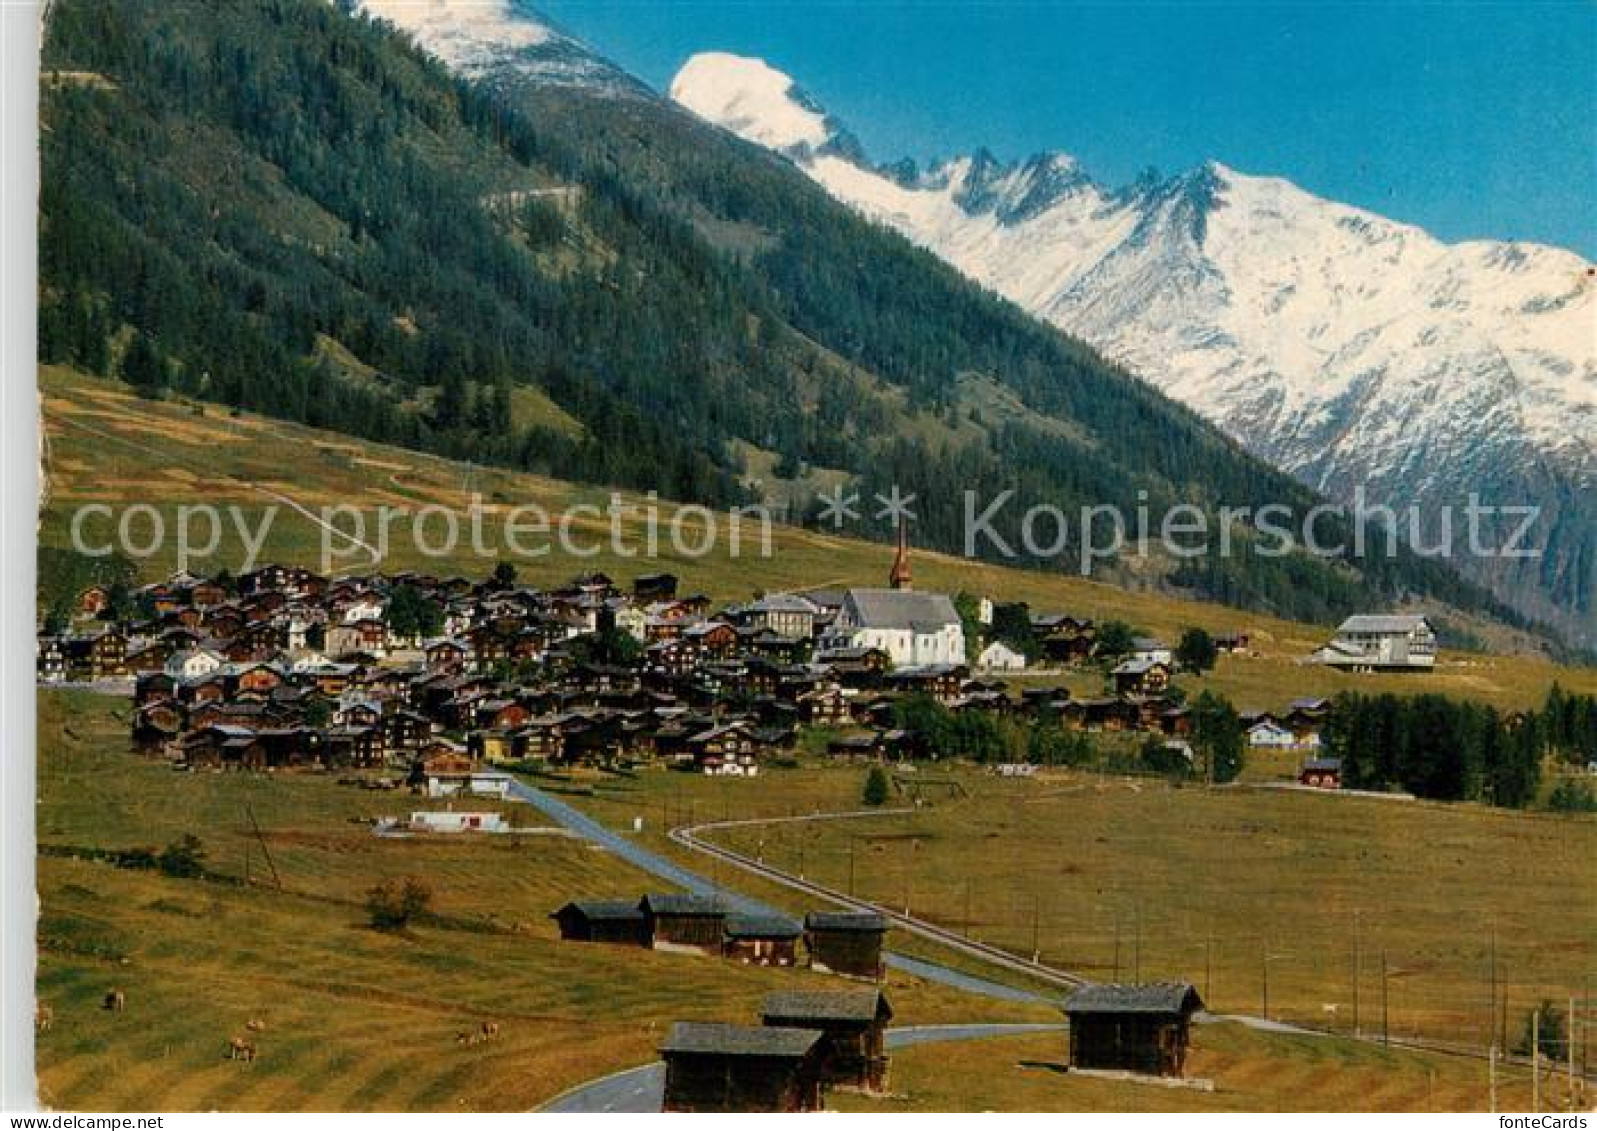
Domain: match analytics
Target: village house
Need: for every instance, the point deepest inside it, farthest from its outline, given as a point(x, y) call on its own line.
point(1141, 1028)
point(1141, 675)
point(713, 1067)
point(1401, 642)
point(450, 821)
point(1000, 657)
point(854, 1026)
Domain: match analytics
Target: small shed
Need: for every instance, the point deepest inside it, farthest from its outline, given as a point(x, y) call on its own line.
point(846, 942)
point(602, 921)
point(1142, 1028)
point(1322, 773)
point(762, 940)
point(684, 922)
point(741, 1068)
point(852, 1051)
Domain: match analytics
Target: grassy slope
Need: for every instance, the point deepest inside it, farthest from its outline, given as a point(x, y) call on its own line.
point(1260, 870)
point(106, 446)
point(1251, 1072)
point(357, 1020)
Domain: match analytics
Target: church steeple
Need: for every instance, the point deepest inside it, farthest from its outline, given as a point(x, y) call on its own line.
point(900, 577)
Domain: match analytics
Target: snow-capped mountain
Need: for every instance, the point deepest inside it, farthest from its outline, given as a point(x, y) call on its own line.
point(1345, 347)
point(486, 39)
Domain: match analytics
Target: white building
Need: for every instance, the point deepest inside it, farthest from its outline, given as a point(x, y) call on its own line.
point(1404, 642)
point(193, 663)
point(914, 629)
point(1000, 657)
point(448, 822)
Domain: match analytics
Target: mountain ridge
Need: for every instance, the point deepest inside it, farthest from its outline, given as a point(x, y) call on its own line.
point(1346, 348)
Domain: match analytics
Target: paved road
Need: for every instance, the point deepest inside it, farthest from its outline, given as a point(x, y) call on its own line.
point(642, 1089)
point(648, 860)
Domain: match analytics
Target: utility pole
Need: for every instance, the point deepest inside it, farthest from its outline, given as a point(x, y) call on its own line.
point(1136, 946)
point(1569, 1049)
point(1358, 968)
point(1386, 1032)
point(1491, 1075)
point(1264, 971)
point(1491, 1011)
point(1536, 1059)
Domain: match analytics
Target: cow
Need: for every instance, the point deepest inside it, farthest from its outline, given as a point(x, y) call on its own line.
point(240, 1048)
point(43, 1018)
point(115, 1000)
point(488, 1030)
point(468, 1037)
point(255, 1025)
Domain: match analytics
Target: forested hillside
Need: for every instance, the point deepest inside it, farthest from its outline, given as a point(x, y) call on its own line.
point(278, 205)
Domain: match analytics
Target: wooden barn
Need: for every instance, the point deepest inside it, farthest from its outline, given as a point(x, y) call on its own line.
point(741, 1068)
point(854, 1024)
point(762, 940)
point(1141, 1028)
point(684, 922)
point(846, 942)
point(1322, 773)
point(602, 921)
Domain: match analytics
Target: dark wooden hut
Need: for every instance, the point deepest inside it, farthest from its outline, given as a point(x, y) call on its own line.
point(741, 1068)
point(854, 1024)
point(762, 940)
point(602, 921)
point(845, 942)
point(1132, 1028)
point(684, 922)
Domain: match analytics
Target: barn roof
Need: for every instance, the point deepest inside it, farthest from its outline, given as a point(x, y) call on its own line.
point(740, 1040)
point(1153, 997)
point(845, 921)
point(762, 927)
point(604, 909)
point(674, 904)
point(826, 1005)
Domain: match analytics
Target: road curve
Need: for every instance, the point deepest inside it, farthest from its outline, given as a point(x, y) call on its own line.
point(647, 860)
point(642, 1089)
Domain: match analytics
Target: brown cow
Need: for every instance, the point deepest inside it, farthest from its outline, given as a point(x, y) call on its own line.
point(116, 1001)
point(255, 1025)
point(489, 1030)
point(467, 1037)
point(239, 1048)
point(43, 1018)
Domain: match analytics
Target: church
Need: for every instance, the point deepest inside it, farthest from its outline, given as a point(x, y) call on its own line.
point(914, 629)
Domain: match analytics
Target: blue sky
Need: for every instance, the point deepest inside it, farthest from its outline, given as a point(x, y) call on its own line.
point(1473, 120)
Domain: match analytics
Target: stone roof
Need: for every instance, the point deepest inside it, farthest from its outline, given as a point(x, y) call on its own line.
point(606, 909)
point(674, 904)
point(844, 921)
point(740, 1040)
point(825, 1005)
point(762, 927)
point(1153, 997)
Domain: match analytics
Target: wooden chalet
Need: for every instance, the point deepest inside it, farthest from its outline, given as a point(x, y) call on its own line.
point(603, 921)
point(713, 1067)
point(762, 940)
point(854, 1024)
point(690, 923)
point(1143, 1028)
point(846, 942)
